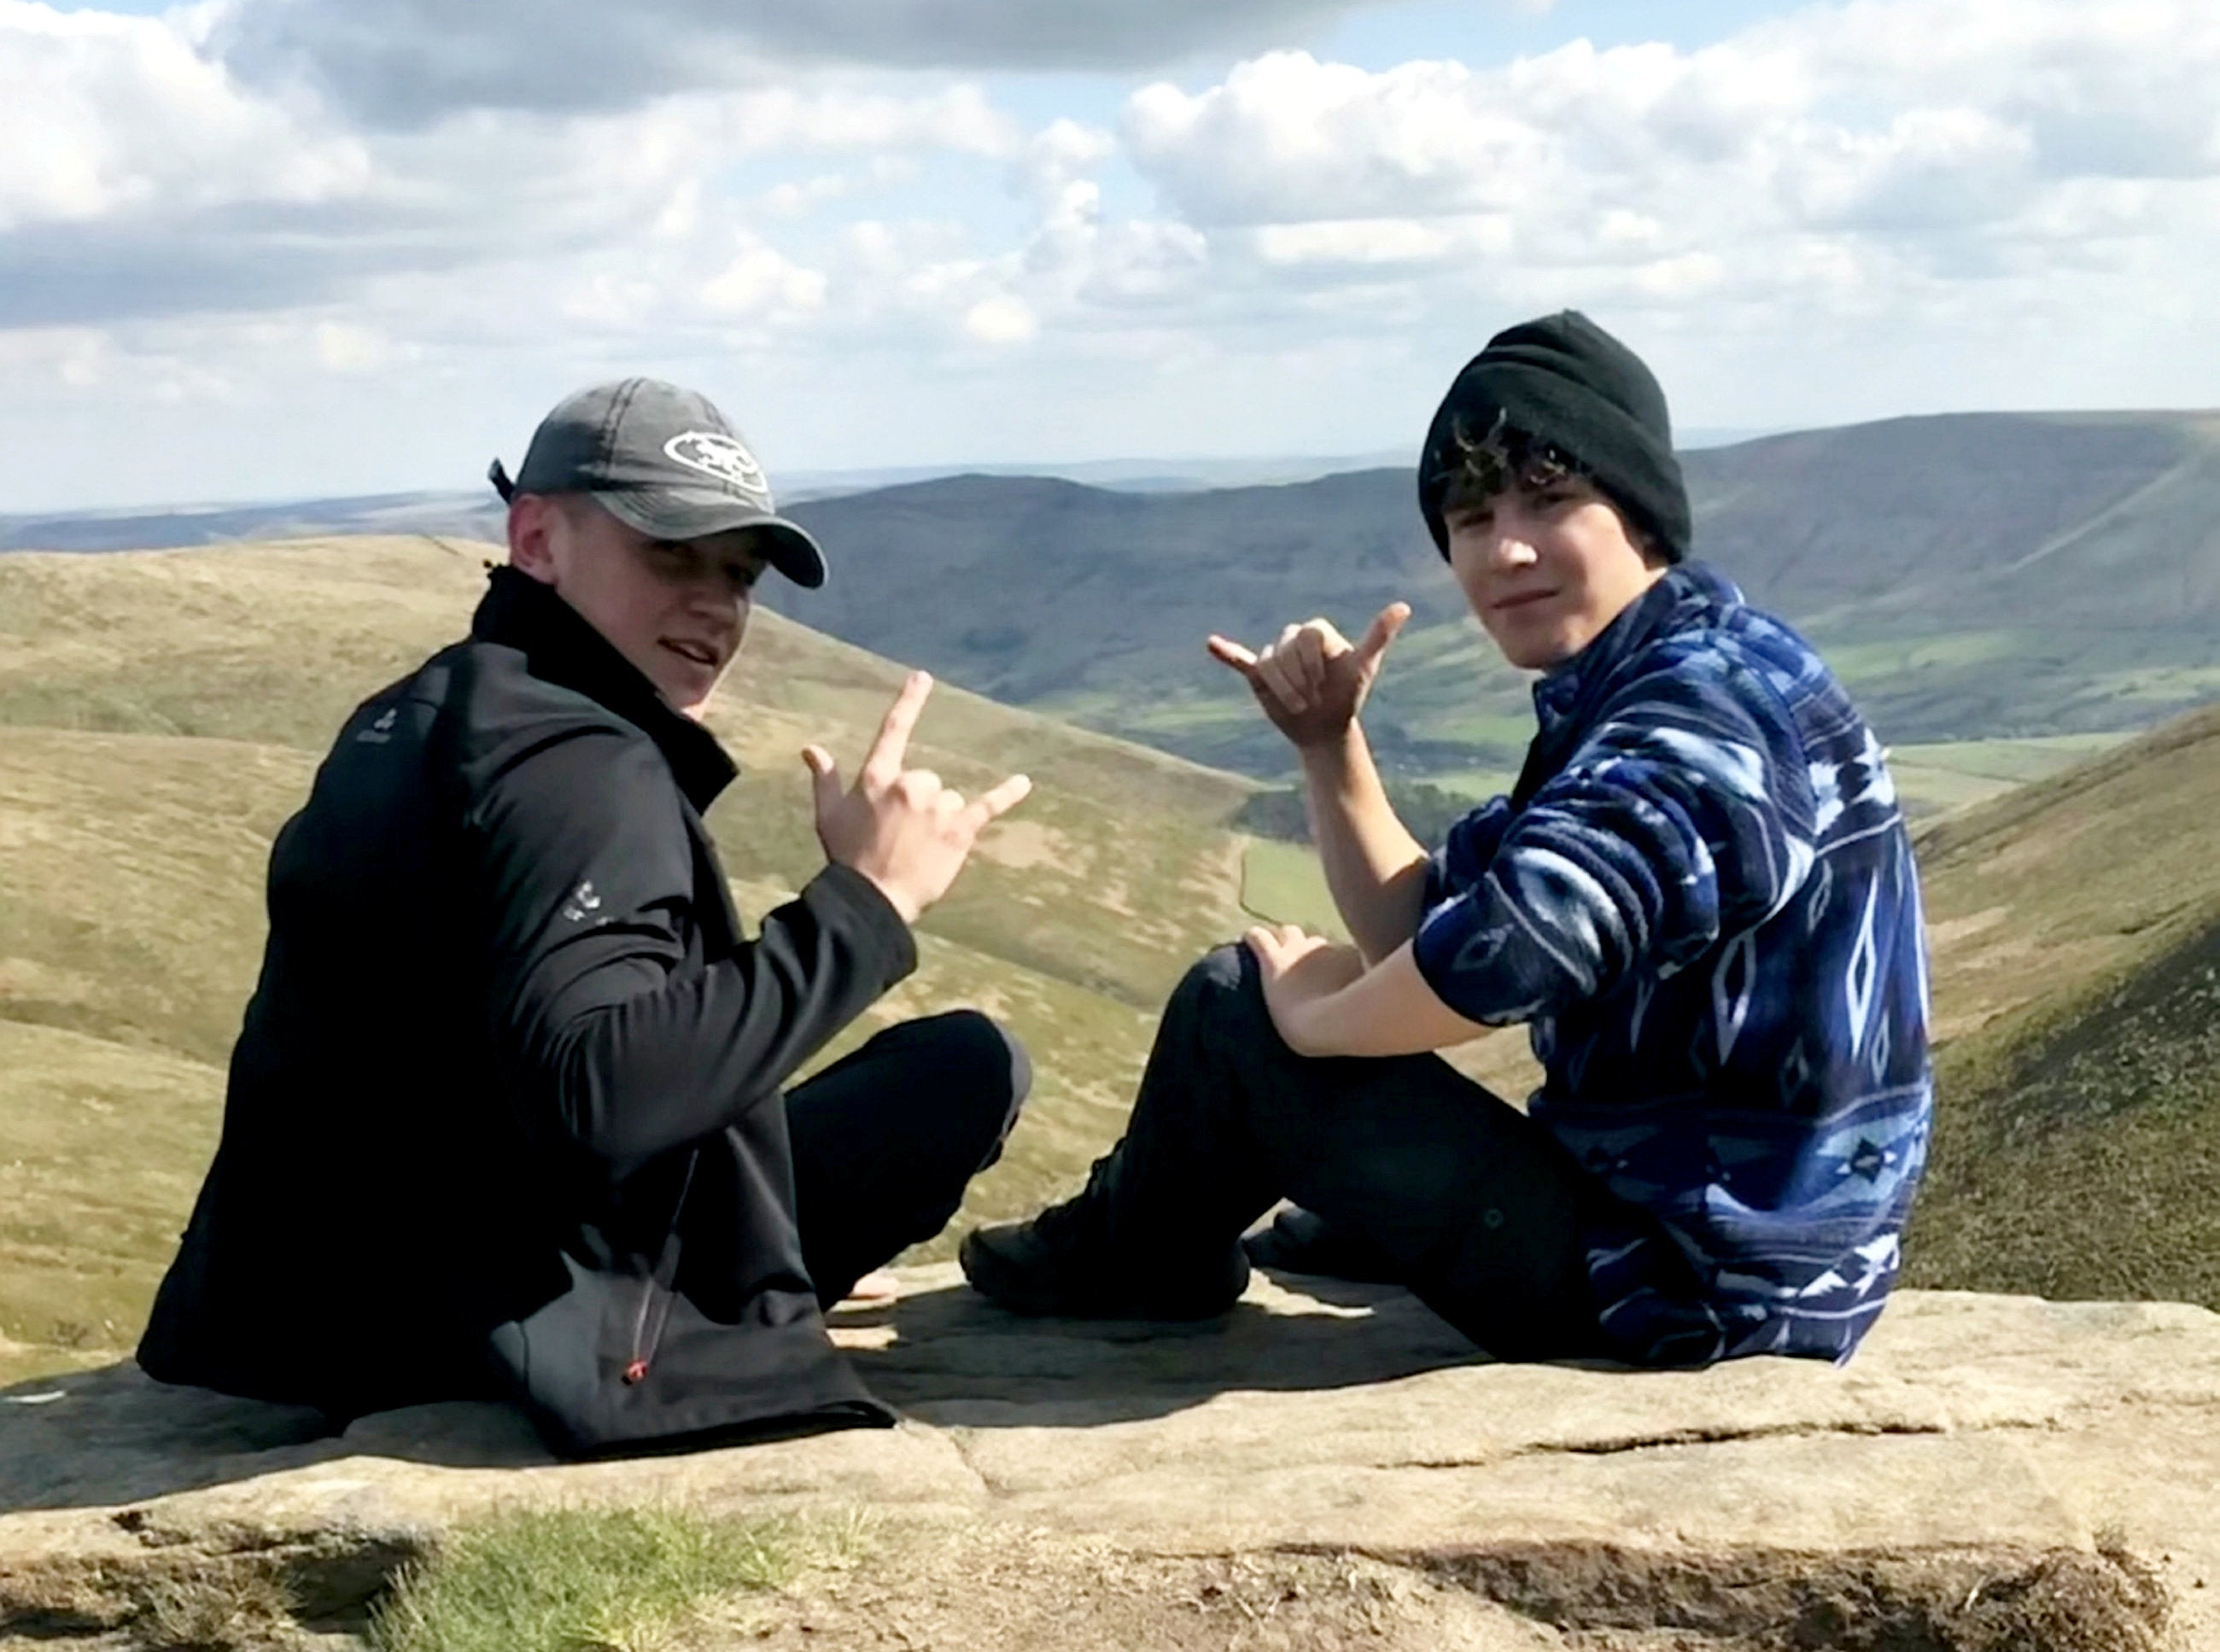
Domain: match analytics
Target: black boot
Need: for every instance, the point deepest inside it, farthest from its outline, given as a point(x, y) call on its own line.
point(1071, 1260)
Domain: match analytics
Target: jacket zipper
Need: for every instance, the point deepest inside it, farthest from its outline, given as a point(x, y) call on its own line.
point(661, 1287)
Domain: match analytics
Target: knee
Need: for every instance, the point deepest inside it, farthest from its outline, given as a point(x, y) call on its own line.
point(1221, 985)
point(980, 1066)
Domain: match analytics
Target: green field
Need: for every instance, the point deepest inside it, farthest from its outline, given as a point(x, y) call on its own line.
point(1281, 884)
point(160, 716)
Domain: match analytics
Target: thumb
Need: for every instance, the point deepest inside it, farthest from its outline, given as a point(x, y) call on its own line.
point(824, 775)
point(1382, 632)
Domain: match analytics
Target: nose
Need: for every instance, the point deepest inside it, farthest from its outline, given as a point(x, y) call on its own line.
point(1511, 552)
point(1511, 543)
point(716, 597)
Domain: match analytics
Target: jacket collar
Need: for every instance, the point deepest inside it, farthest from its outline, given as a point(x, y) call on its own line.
point(559, 645)
point(1567, 695)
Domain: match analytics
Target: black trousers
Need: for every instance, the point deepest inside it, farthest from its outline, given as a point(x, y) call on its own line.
point(886, 1139)
point(1479, 1207)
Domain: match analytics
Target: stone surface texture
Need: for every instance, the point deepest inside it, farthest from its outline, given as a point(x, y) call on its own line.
point(1321, 1424)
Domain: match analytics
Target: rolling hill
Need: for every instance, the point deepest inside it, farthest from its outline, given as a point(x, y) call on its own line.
point(2075, 927)
point(2048, 581)
point(1972, 577)
point(160, 716)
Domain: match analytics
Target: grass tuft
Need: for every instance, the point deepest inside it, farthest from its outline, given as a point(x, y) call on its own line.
point(571, 1580)
point(227, 1611)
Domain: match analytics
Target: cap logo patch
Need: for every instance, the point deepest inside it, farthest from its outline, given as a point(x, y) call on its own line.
point(715, 454)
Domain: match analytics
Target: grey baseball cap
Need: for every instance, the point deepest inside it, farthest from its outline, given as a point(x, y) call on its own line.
point(663, 462)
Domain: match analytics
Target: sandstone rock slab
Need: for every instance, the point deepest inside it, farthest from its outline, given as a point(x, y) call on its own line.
point(1986, 1436)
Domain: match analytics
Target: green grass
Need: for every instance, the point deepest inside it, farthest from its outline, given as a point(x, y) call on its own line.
point(161, 715)
point(2014, 760)
point(569, 1580)
point(1284, 883)
point(2075, 933)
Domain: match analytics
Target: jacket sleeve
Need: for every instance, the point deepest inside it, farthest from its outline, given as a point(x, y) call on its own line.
point(590, 876)
point(1685, 815)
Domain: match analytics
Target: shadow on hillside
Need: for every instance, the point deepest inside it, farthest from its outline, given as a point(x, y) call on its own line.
point(112, 1436)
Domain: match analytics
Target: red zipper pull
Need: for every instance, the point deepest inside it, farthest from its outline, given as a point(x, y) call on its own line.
point(635, 1372)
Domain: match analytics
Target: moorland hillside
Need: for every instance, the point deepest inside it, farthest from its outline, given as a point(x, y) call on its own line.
point(2075, 927)
point(1972, 577)
point(161, 714)
point(2004, 592)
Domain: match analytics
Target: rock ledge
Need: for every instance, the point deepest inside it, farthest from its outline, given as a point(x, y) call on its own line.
point(1329, 1461)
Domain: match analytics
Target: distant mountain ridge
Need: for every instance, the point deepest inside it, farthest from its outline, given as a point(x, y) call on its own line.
point(1971, 577)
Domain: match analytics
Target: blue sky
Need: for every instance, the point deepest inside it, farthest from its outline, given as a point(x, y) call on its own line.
point(261, 248)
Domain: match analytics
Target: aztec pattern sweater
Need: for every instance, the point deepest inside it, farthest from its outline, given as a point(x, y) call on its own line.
point(1701, 898)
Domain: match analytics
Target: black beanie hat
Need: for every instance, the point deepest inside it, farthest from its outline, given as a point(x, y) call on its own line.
point(1564, 381)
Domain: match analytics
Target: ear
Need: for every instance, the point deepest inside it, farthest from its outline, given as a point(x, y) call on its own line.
point(532, 520)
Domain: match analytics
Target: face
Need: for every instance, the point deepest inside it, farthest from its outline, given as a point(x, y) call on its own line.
point(1545, 567)
point(677, 609)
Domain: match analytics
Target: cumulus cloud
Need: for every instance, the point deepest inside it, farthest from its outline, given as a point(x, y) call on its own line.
point(140, 177)
point(1950, 139)
point(407, 62)
point(102, 115)
point(239, 201)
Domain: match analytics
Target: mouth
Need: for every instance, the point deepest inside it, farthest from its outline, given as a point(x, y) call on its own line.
point(698, 653)
point(1522, 600)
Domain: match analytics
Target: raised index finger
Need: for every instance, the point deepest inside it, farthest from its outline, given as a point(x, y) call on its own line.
point(884, 760)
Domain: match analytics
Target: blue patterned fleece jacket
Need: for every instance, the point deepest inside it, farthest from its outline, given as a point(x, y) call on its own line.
point(1701, 898)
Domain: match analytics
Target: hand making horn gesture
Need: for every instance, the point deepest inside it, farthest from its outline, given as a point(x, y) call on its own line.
point(901, 827)
point(1312, 682)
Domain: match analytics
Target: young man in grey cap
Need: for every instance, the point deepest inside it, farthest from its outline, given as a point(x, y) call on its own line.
point(507, 1113)
point(1699, 897)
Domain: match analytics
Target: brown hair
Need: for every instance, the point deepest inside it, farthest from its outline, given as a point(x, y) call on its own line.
point(1473, 470)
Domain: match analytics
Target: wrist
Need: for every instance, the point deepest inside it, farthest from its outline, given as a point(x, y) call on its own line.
point(1300, 1027)
point(907, 906)
point(1334, 755)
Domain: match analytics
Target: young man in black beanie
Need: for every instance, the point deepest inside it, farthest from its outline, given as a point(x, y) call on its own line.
point(1699, 897)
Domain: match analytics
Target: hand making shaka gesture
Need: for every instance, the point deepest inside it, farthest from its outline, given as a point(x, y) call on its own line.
point(1312, 682)
point(901, 827)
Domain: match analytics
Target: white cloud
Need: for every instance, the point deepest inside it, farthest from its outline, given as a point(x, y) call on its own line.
point(346, 348)
point(1000, 320)
point(139, 177)
point(761, 280)
point(1899, 139)
point(1866, 205)
point(1361, 240)
point(407, 62)
point(103, 115)
point(1286, 138)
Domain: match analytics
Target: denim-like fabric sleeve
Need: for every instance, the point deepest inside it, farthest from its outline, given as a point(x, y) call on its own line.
point(1684, 815)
